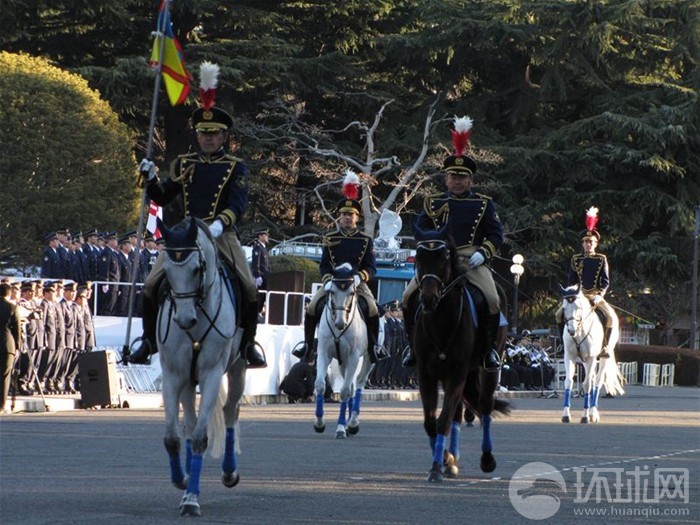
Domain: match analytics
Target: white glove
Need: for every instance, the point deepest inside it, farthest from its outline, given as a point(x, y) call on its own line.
point(477, 259)
point(216, 228)
point(258, 282)
point(597, 299)
point(356, 279)
point(327, 287)
point(148, 169)
point(105, 288)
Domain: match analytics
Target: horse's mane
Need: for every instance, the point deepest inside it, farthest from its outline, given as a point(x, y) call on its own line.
point(179, 235)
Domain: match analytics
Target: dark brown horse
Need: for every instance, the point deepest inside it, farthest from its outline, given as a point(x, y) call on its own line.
point(445, 340)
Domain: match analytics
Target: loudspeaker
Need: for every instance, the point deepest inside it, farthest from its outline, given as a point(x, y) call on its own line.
point(99, 384)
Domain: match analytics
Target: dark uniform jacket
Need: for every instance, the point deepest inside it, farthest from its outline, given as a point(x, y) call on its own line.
point(51, 264)
point(348, 246)
point(260, 262)
point(213, 186)
point(591, 272)
point(108, 270)
point(92, 255)
point(472, 219)
point(146, 261)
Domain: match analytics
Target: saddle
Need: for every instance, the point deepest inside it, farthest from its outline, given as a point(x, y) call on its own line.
point(599, 313)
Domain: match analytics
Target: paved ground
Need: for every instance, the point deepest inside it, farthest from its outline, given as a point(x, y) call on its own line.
point(108, 466)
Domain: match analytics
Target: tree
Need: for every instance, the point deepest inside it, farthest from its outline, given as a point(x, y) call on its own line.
point(66, 159)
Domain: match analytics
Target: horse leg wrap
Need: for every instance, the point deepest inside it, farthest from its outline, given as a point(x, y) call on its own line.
point(195, 471)
point(341, 417)
point(454, 439)
point(357, 401)
point(594, 396)
point(188, 455)
point(229, 463)
point(486, 444)
point(567, 398)
point(586, 400)
point(173, 448)
point(439, 452)
point(319, 405)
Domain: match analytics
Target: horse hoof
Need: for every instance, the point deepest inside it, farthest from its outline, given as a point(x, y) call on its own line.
point(488, 462)
point(435, 476)
point(182, 485)
point(340, 434)
point(230, 479)
point(452, 471)
point(448, 459)
point(353, 430)
point(584, 420)
point(470, 423)
point(190, 506)
point(320, 430)
point(566, 419)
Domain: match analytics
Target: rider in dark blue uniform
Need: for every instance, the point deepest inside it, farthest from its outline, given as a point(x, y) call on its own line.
point(214, 186)
point(476, 230)
point(347, 245)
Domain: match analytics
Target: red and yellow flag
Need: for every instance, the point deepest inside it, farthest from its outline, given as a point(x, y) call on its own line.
point(175, 75)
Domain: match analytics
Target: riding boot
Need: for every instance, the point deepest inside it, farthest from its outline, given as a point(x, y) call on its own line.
point(309, 333)
point(606, 338)
point(376, 352)
point(250, 350)
point(491, 360)
point(145, 345)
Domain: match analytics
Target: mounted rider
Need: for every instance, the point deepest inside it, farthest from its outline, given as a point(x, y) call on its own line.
point(590, 271)
point(214, 185)
point(347, 245)
point(474, 226)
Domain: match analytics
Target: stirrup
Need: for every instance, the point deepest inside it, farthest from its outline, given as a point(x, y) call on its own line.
point(255, 358)
point(409, 359)
point(300, 350)
point(491, 362)
point(142, 355)
point(604, 353)
point(381, 353)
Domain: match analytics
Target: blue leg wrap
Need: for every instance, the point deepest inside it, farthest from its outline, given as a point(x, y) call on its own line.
point(594, 398)
point(454, 439)
point(358, 400)
point(432, 445)
point(351, 405)
point(188, 455)
point(176, 474)
point(586, 400)
point(341, 418)
point(229, 463)
point(486, 444)
point(439, 449)
point(319, 406)
point(196, 469)
point(567, 397)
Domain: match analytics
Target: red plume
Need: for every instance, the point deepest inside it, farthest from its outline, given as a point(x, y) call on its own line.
point(460, 134)
point(351, 185)
point(591, 218)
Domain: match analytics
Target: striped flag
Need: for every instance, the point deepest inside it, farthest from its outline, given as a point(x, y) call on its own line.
point(154, 212)
point(175, 76)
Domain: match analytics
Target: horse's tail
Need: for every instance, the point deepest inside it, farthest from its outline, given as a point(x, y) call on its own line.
point(502, 407)
point(612, 377)
point(217, 427)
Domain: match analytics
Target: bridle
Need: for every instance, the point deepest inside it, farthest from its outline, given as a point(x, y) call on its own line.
point(199, 293)
point(578, 320)
point(443, 289)
point(349, 309)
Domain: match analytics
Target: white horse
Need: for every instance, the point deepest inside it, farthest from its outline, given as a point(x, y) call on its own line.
point(342, 335)
point(198, 342)
point(583, 342)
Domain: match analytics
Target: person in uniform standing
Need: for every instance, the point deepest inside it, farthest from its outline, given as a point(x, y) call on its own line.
point(474, 226)
point(51, 261)
point(590, 270)
point(10, 341)
point(214, 185)
point(108, 271)
point(260, 264)
point(124, 259)
point(349, 245)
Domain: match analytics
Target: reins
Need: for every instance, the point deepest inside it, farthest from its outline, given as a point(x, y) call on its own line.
point(351, 310)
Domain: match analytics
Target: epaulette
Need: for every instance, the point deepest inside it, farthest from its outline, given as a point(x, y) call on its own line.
point(482, 196)
point(228, 156)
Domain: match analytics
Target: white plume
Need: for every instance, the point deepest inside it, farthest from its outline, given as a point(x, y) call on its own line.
point(463, 124)
point(208, 76)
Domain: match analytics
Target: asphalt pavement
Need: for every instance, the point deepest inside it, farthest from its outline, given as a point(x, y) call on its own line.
point(640, 464)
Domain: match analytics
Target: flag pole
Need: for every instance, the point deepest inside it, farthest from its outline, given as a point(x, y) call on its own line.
point(126, 351)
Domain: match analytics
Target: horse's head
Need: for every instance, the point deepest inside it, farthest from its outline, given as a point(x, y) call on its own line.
point(435, 266)
point(187, 248)
point(574, 307)
point(341, 295)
